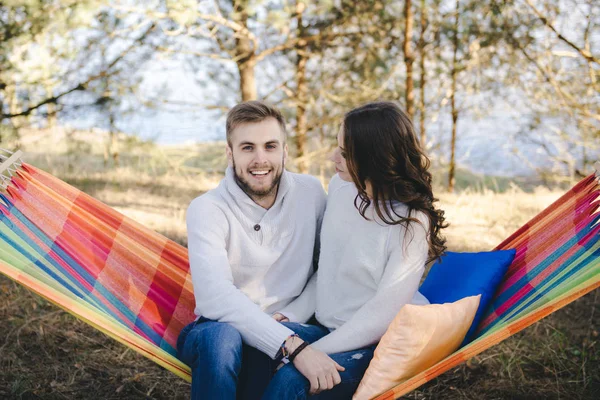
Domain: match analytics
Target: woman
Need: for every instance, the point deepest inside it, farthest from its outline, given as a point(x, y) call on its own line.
point(379, 230)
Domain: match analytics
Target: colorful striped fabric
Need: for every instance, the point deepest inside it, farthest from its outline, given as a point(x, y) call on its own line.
point(134, 285)
point(128, 281)
point(557, 262)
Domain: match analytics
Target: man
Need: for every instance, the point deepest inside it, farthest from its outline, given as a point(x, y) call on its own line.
point(251, 243)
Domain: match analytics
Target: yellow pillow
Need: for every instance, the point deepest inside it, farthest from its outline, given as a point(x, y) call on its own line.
point(418, 338)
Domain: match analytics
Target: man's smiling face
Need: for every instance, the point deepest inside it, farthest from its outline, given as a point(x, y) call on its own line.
point(257, 153)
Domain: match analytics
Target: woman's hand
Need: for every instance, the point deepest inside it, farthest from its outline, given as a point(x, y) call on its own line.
point(320, 370)
point(280, 317)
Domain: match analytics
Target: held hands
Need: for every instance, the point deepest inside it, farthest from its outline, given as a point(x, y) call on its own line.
point(320, 370)
point(280, 317)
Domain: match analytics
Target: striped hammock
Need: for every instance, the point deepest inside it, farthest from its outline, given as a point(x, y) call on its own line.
point(134, 284)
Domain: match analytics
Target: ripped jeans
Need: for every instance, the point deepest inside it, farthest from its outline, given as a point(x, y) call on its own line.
point(289, 384)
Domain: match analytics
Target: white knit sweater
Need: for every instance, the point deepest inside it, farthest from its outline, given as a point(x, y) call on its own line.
point(248, 262)
point(367, 271)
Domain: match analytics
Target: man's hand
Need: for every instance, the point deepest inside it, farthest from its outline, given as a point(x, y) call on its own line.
point(280, 317)
point(320, 370)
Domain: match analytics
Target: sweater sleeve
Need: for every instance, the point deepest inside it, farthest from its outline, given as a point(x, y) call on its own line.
point(217, 298)
point(304, 306)
point(399, 283)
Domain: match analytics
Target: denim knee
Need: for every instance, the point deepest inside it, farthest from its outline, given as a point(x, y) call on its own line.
point(287, 383)
point(216, 341)
point(182, 337)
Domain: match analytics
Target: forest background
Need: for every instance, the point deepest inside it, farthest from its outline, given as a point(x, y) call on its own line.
point(126, 101)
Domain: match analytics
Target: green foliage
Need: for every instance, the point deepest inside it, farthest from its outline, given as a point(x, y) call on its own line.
point(73, 58)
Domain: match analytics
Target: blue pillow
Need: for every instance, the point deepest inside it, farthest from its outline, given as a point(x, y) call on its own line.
point(459, 275)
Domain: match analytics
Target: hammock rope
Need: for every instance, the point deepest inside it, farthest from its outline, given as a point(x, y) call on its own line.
point(134, 285)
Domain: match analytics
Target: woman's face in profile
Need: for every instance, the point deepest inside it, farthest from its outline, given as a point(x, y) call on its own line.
point(339, 158)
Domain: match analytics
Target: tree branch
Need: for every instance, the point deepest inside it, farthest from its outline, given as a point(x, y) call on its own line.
point(82, 85)
point(193, 53)
point(583, 52)
point(291, 43)
point(218, 19)
point(50, 100)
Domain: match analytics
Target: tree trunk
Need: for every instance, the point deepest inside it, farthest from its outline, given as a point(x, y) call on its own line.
point(113, 140)
point(246, 54)
point(247, 81)
point(422, 55)
point(409, 58)
point(13, 125)
point(590, 92)
point(110, 148)
point(14, 107)
point(302, 92)
point(106, 154)
point(452, 168)
point(50, 107)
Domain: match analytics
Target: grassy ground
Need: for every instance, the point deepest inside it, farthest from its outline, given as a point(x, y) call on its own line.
point(48, 354)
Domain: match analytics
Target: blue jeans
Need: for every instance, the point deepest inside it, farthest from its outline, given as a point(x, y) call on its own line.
point(290, 384)
point(223, 367)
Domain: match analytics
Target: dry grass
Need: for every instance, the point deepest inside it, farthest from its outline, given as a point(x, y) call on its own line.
point(48, 354)
point(480, 220)
point(157, 202)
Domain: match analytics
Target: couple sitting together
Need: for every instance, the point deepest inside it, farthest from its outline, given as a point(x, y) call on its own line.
point(293, 288)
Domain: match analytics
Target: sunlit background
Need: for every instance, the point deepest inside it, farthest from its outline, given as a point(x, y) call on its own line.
point(495, 88)
point(126, 100)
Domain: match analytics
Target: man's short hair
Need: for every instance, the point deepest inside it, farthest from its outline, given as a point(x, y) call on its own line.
point(252, 112)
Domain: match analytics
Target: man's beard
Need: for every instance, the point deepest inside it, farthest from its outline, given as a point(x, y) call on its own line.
point(257, 194)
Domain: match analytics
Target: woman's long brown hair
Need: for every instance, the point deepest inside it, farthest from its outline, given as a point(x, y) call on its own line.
point(382, 148)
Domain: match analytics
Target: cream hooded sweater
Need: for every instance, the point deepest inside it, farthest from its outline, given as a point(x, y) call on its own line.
point(247, 262)
point(367, 271)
